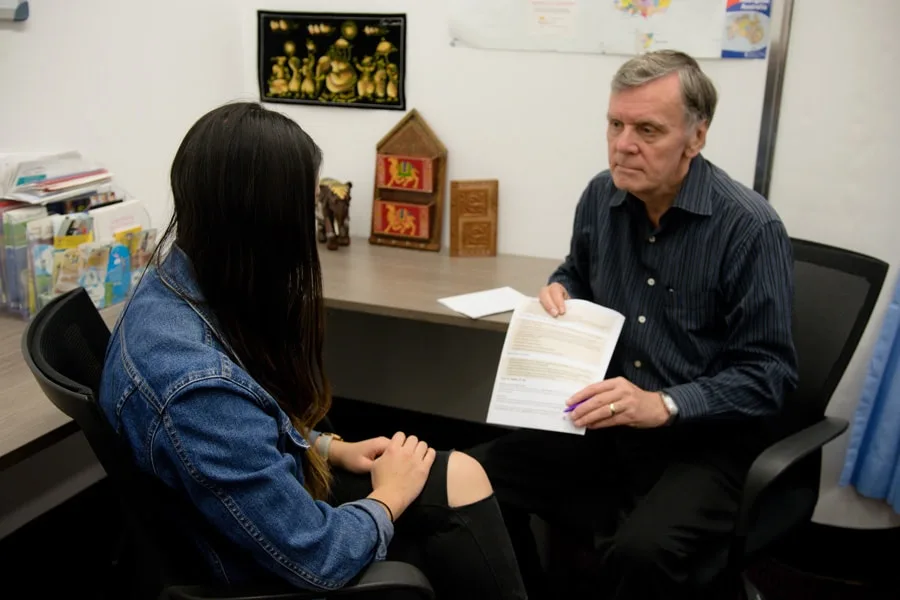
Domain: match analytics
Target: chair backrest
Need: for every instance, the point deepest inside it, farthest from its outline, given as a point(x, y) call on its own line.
point(65, 347)
point(835, 291)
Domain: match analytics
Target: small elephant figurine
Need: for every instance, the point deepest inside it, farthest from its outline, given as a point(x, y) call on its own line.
point(333, 213)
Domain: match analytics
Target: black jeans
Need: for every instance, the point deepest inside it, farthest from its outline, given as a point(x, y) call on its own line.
point(655, 503)
point(464, 551)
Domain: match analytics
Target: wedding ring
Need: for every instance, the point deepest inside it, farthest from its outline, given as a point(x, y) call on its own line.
point(612, 409)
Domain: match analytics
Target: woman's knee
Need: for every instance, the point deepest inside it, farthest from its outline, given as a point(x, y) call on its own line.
point(467, 481)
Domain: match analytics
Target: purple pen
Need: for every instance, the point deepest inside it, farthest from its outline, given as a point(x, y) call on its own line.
point(569, 409)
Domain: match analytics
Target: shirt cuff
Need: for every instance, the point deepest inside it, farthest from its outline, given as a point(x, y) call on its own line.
point(383, 524)
point(689, 399)
point(564, 280)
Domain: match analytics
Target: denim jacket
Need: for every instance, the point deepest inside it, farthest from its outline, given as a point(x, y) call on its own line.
point(197, 420)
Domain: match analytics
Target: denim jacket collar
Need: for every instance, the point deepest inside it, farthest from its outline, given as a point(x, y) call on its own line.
point(176, 271)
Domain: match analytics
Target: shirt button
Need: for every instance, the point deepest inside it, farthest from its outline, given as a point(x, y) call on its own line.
point(652, 239)
point(642, 319)
point(651, 281)
point(637, 364)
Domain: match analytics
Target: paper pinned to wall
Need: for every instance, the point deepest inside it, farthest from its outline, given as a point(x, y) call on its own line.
point(702, 28)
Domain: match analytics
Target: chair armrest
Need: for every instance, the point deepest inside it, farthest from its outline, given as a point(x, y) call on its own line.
point(771, 464)
point(379, 576)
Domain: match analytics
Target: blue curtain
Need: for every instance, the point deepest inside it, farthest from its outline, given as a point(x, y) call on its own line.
point(872, 463)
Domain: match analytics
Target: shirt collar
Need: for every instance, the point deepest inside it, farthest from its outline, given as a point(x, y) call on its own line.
point(694, 194)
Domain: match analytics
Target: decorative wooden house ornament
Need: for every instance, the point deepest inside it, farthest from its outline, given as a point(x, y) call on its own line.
point(410, 177)
point(473, 218)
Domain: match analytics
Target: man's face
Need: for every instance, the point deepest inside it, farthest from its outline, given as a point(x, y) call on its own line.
point(650, 142)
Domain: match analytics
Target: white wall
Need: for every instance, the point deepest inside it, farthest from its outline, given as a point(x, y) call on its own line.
point(123, 80)
point(534, 121)
point(835, 178)
point(119, 80)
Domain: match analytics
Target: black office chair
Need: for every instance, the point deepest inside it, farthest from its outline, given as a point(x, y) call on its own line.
point(64, 346)
point(835, 293)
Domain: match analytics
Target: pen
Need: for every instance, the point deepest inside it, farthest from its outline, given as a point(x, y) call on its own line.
point(569, 409)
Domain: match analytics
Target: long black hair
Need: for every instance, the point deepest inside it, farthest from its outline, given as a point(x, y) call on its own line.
point(244, 182)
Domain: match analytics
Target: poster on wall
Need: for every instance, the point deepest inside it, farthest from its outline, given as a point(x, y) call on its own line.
point(333, 59)
point(747, 29)
point(701, 28)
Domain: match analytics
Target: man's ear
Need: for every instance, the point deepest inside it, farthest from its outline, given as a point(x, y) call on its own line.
point(697, 140)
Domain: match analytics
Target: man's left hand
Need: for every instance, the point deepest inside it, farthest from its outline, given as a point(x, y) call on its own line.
point(356, 457)
point(617, 402)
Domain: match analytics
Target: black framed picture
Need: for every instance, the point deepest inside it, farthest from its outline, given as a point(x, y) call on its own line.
point(354, 60)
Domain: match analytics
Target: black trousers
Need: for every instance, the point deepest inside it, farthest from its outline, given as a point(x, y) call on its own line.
point(464, 551)
point(657, 503)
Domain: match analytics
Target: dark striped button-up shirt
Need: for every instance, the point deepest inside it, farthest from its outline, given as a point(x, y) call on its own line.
point(707, 295)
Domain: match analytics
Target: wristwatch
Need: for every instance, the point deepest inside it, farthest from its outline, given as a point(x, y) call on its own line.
point(327, 438)
point(670, 406)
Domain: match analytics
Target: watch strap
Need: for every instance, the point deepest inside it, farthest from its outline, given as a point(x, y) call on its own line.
point(670, 406)
point(325, 445)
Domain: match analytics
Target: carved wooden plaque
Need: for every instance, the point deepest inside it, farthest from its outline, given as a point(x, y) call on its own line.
point(473, 217)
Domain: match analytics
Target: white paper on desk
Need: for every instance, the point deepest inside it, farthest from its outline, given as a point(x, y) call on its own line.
point(483, 304)
point(547, 359)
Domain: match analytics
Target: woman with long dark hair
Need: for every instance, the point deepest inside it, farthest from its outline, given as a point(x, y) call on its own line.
point(214, 378)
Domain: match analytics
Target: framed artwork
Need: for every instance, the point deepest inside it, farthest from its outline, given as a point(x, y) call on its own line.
point(410, 176)
point(351, 60)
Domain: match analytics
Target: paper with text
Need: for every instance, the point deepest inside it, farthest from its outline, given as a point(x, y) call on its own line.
point(483, 304)
point(546, 359)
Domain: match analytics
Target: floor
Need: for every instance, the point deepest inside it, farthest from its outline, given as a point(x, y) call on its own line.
point(72, 548)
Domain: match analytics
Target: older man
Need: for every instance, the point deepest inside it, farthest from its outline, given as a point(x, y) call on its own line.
point(701, 267)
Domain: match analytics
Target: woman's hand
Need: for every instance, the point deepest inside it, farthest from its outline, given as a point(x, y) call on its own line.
point(399, 474)
point(356, 457)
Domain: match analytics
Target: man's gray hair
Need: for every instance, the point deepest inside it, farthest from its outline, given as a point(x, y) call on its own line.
point(697, 90)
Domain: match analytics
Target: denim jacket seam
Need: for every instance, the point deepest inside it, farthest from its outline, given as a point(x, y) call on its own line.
point(152, 431)
point(190, 378)
point(218, 563)
point(135, 375)
point(238, 515)
point(123, 400)
point(187, 381)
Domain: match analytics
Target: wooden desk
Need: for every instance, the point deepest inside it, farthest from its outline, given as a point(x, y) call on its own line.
point(361, 278)
point(396, 282)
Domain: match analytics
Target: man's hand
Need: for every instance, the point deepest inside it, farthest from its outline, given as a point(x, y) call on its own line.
point(356, 457)
point(553, 298)
point(617, 402)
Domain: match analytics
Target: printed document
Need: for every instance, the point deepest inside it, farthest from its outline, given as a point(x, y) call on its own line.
point(486, 303)
point(546, 359)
